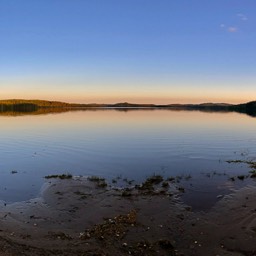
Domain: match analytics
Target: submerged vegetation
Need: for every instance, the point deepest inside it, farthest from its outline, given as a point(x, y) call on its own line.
point(251, 164)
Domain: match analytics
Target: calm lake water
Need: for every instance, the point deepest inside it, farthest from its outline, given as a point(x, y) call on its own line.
point(132, 144)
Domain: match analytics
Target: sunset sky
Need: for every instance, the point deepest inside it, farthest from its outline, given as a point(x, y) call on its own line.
point(144, 51)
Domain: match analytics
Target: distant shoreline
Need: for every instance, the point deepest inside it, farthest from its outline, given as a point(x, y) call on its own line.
point(29, 106)
point(48, 103)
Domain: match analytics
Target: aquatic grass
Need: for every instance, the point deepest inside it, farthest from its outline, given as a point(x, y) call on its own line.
point(101, 182)
point(150, 182)
point(251, 164)
point(241, 177)
point(236, 161)
point(181, 189)
point(165, 184)
point(148, 185)
point(171, 179)
point(253, 173)
point(155, 179)
point(95, 179)
point(59, 176)
point(129, 182)
point(126, 193)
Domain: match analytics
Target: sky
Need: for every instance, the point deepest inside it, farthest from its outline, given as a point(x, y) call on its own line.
point(143, 51)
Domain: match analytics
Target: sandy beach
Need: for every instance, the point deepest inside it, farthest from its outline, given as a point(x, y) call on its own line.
point(78, 216)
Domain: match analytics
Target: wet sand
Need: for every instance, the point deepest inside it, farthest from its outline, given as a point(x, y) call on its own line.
point(82, 217)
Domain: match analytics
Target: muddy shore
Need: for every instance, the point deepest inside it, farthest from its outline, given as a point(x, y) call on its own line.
point(81, 216)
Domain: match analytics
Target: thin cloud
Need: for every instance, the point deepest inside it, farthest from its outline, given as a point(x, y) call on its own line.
point(232, 29)
point(242, 17)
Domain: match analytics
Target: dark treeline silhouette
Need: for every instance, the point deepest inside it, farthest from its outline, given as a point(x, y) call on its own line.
point(247, 108)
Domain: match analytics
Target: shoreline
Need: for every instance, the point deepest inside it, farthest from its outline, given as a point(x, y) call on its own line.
point(41, 106)
point(81, 216)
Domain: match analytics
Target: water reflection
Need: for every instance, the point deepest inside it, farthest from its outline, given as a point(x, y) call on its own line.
point(32, 109)
point(132, 144)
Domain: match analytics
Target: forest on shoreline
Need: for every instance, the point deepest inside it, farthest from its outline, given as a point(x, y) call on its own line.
point(43, 106)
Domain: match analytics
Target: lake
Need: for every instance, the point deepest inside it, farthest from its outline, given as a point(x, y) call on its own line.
point(131, 144)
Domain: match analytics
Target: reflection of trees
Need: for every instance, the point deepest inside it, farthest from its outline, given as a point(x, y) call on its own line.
point(20, 107)
point(27, 109)
point(248, 108)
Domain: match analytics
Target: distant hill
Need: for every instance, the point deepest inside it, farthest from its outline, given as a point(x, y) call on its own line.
point(131, 105)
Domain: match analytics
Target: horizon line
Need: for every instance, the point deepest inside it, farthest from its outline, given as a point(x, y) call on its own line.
point(121, 102)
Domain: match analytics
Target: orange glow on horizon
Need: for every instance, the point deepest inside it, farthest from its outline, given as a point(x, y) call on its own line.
point(143, 95)
point(138, 99)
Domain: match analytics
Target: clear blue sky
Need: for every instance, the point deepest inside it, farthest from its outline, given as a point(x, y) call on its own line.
point(160, 51)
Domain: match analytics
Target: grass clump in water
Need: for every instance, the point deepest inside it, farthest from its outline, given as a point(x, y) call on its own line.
point(251, 164)
point(171, 179)
point(155, 179)
point(95, 179)
point(241, 177)
point(148, 185)
point(253, 173)
point(126, 192)
point(59, 176)
point(236, 161)
point(101, 182)
point(165, 184)
point(181, 189)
